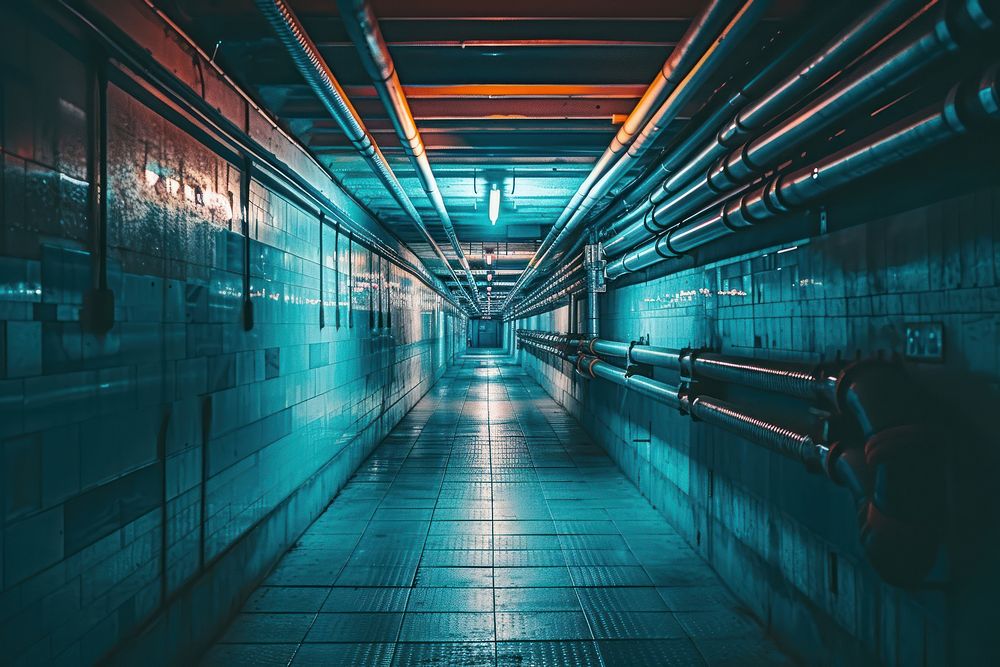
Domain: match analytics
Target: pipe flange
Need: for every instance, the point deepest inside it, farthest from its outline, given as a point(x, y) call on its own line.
point(649, 221)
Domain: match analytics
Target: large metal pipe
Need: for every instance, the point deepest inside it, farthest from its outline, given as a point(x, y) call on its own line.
point(717, 52)
point(362, 25)
point(777, 438)
point(971, 21)
point(680, 166)
point(320, 79)
point(684, 56)
point(965, 106)
point(791, 379)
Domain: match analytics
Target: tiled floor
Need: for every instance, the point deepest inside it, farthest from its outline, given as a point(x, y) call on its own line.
point(487, 530)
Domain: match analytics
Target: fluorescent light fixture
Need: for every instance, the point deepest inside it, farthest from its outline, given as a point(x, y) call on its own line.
point(494, 205)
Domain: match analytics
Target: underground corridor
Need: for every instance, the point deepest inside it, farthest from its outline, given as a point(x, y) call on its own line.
point(437, 332)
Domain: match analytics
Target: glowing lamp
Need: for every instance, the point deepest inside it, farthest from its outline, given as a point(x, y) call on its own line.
point(494, 205)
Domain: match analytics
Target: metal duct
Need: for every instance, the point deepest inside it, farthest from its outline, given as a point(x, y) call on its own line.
point(754, 116)
point(320, 79)
point(964, 105)
point(362, 25)
point(971, 21)
point(682, 58)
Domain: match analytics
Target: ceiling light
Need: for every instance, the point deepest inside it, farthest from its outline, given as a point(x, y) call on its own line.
point(494, 205)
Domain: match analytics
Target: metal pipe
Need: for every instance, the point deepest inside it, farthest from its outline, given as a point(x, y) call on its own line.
point(744, 19)
point(753, 117)
point(362, 25)
point(891, 467)
point(791, 379)
point(555, 282)
point(965, 105)
point(775, 437)
point(682, 58)
point(320, 79)
point(593, 263)
point(971, 21)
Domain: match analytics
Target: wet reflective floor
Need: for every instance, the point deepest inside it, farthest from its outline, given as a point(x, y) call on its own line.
point(488, 530)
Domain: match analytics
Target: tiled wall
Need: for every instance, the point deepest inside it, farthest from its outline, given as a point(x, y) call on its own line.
point(179, 443)
point(773, 530)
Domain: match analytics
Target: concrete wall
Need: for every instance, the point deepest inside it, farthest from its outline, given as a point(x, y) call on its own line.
point(151, 475)
point(786, 540)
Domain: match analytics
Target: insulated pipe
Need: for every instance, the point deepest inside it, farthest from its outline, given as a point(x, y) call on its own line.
point(964, 105)
point(362, 25)
point(682, 58)
point(754, 116)
point(659, 391)
point(972, 20)
point(320, 79)
point(650, 355)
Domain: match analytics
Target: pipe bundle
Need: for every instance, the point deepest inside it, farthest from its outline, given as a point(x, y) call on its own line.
point(884, 453)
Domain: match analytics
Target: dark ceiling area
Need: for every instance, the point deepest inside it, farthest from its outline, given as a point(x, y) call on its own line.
point(517, 96)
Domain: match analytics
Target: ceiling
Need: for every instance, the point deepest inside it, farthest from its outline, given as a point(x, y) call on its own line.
point(521, 95)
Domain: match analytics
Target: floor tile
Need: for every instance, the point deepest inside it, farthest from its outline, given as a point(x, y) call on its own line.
point(371, 599)
point(541, 625)
point(451, 599)
point(267, 628)
point(447, 627)
point(547, 654)
point(536, 599)
point(286, 599)
point(438, 654)
point(368, 654)
point(355, 627)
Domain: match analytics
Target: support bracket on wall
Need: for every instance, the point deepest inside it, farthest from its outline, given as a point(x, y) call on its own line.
point(336, 273)
point(322, 269)
point(245, 176)
point(98, 312)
